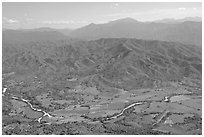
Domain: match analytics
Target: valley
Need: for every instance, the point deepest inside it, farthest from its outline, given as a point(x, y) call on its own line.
point(106, 86)
point(137, 109)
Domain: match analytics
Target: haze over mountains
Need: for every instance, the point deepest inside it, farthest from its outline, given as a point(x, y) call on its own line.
point(32, 35)
point(120, 77)
point(171, 20)
point(55, 45)
point(187, 31)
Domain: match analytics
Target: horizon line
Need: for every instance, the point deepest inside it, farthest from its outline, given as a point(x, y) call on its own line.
point(102, 23)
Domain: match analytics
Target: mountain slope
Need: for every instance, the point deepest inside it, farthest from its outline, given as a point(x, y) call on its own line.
point(185, 32)
point(41, 34)
point(124, 63)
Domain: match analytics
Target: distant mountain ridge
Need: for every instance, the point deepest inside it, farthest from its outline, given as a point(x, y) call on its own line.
point(187, 31)
point(171, 20)
point(33, 35)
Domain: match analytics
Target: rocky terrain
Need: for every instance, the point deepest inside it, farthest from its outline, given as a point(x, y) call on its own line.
point(104, 86)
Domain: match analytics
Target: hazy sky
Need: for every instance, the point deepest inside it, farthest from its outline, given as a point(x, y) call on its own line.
point(74, 15)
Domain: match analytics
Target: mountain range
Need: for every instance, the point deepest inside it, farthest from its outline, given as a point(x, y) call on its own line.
point(172, 20)
point(127, 63)
point(121, 77)
point(186, 31)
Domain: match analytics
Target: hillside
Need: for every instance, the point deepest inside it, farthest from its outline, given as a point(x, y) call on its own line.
point(114, 86)
point(187, 32)
point(32, 35)
point(112, 61)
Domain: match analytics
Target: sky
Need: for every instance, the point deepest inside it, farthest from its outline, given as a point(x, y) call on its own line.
point(22, 15)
